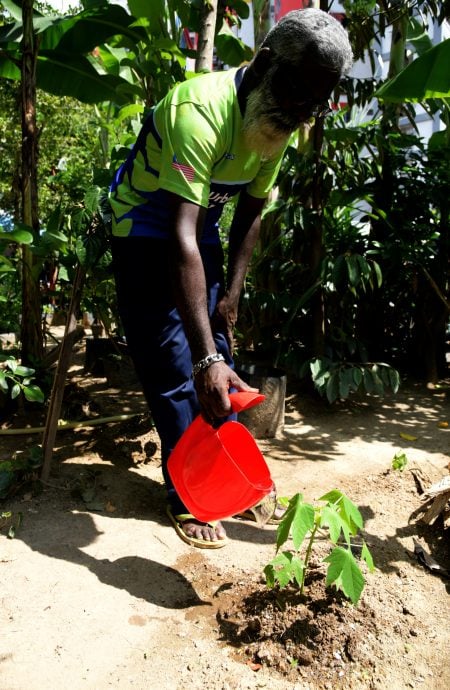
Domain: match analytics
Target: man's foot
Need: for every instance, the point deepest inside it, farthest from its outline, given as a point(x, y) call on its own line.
point(267, 512)
point(203, 535)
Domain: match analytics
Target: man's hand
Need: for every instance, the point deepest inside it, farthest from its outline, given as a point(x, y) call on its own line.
point(213, 385)
point(224, 319)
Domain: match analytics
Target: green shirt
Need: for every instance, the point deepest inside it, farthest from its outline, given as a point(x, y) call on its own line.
point(192, 145)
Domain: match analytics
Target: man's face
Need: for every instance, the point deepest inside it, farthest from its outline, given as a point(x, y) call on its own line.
point(286, 96)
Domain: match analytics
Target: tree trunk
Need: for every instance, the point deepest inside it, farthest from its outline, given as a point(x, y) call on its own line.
point(206, 35)
point(31, 328)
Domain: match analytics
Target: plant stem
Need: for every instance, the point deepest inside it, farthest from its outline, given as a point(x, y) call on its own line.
point(307, 557)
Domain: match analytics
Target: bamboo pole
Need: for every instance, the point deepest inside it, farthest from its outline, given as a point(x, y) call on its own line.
point(56, 398)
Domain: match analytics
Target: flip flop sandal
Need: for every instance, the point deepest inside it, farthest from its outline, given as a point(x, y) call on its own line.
point(178, 520)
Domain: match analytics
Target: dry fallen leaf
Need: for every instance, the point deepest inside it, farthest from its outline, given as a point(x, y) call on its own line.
point(110, 507)
point(443, 425)
point(408, 437)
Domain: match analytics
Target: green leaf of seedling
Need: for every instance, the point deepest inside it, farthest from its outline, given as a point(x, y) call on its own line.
point(399, 461)
point(351, 518)
point(298, 520)
point(284, 527)
point(302, 524)
point(329, 517)
point(344, 573)
point(269, 574)
point(284, 568)
point(367, 557)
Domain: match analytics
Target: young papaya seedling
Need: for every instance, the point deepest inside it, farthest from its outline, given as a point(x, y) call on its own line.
point(304, 523)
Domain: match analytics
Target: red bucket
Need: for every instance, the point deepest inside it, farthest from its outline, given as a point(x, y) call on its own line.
point(220, 472)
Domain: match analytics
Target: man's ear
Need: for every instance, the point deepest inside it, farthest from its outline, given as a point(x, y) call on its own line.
point(261, 62)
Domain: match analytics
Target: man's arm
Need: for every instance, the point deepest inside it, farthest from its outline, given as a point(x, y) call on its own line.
point(188, 276)
point(244, 234)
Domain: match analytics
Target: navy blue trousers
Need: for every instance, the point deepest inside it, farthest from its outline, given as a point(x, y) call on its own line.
point(155, 335)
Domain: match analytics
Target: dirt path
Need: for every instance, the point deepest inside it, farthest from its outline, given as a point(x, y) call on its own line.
point(98, 592)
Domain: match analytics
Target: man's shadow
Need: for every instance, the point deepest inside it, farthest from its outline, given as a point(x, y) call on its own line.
point(65, 536)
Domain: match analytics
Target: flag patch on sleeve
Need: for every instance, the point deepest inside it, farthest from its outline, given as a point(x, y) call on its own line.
point(187, 170)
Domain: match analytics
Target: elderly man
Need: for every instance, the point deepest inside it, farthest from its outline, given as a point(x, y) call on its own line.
point(212, 137)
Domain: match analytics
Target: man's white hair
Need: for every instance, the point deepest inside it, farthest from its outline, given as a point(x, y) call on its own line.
point(313, 32)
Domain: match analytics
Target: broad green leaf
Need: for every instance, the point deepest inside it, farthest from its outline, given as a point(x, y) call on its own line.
point(378, 273)
point(154, 10)
point(426, 77)
point(339, 271)
point(85, 31)
point(269, 574)
point(332, 496)
point(8, 68)
point(302, 523)
point(287, 567)
point(6, 267)
point(297, 570)
point(130, 110)
point(367, 557)
point(345, 382)
point(349, 513)
point(332, 389)
point(297, 519)
point(69, 74)
point(15, 391)
point(33, 393)
point(357, 376)
point(394, 379)
point(23, 371)
point(279, 569)
point(92, 199)
point(19, 236)
point(353, 269)
point(344, 573)
point(378, 387)
point(418, 35)
point(3, 381)
point(368, 381)
point(314, 367)
point(241, 7)
point(231, 50)
point(330, 518)
point(11, 363)
point(14, 9)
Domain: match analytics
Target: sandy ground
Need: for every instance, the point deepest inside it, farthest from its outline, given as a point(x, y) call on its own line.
point(97, 591)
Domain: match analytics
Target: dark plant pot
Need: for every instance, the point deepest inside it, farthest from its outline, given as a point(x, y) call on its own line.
point(97, 330)
point(267, 419)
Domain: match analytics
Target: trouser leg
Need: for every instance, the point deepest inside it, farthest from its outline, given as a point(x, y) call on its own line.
point(156, 337)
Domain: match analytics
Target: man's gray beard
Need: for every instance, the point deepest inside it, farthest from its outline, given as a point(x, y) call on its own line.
point(261, 133)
